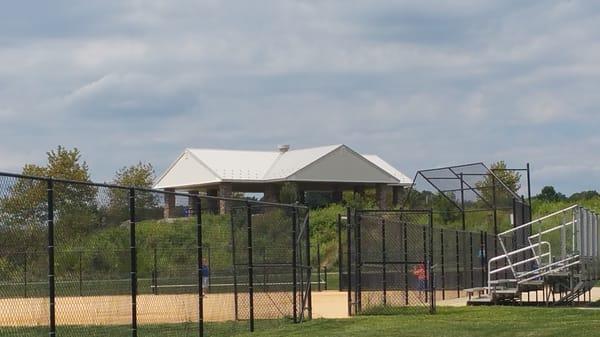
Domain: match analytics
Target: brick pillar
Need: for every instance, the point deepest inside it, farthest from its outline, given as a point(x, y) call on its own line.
point(337, 194)
point(381, 194)
point(211, 203)
point(169, 210)
point(271, 193)
point(396, 192)
point(360, 190)
point(191, 204)
point(301, 196)
point(225, 191)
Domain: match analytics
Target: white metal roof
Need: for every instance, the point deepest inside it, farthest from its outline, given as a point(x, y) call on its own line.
point(236, 165)
point(334, 163)
point(402, 178)
point(290, 162)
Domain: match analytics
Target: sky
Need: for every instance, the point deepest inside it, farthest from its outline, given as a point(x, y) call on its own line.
point(421, 83)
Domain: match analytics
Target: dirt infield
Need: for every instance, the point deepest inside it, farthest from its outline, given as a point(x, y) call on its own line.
point(155, 309)
point(151, 309)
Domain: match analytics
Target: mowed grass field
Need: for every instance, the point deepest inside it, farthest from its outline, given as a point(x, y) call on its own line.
point(448, 322)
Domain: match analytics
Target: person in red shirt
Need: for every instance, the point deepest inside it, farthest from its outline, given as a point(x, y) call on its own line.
point(421, 275)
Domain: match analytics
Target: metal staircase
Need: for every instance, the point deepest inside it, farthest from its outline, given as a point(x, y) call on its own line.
point(555, 257)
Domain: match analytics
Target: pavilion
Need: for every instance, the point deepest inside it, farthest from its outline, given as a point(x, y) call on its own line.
point(334, 169)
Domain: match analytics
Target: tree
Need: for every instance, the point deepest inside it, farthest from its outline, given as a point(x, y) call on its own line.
point(492, 189)
point(140, 175)
point(512, 179)
point(419, 199)
point(24, 207)
point(584, 195)
point(549, 194)
point(288, 194)
point(447, 211)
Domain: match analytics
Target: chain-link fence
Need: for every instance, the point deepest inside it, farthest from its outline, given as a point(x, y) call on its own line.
point(459, 260)
point(390, 262)
point(84, 259)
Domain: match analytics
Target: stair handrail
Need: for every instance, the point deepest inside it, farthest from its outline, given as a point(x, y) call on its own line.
point(552, 229)
point(549, 265)
point(539, 235)
point(497, 270)
point(510, 264)
point(584, 245)
point(537, 220)
point(553, 269)
point(532, 246)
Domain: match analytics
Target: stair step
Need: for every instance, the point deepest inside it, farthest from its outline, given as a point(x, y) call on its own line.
point(503, 281)
point(558, 274)
point(483, 300)
point(508, 291)
point(533, 283)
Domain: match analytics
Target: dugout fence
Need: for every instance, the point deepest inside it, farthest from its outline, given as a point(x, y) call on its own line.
point(389, 257)
point(80, 258)
point(380, 251)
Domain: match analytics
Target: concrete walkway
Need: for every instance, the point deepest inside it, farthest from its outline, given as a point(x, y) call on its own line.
point(461, 302)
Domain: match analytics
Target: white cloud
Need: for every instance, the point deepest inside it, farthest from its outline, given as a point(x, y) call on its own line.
point(421, 83)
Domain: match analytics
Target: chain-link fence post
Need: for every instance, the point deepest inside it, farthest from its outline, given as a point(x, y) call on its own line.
point(133, 267)
point(51, 281)
point(405, 248)
point(425, 259)
point(250, 265)
point(483, 257)
point(199, 264)
point(234, 268)
point(457, 263)
point(472, 270)
point(358, 263)
point(430, 267)
point(384, 261)
point(442, 262)
point(295, 264)
point(307, 230)
point(340, 254)
point(349, 258)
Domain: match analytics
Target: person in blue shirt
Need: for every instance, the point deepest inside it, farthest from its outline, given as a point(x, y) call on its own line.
point(482, 257)
point(205, 274)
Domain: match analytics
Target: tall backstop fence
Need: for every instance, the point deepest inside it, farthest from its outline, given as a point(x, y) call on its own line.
point(86, 259)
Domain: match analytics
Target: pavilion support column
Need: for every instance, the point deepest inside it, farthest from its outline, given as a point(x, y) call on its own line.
point(381, 194)
point(225, 191)
point(271, 193)
point(301, 196)
point(191, 204)
point(212, 204)
point(360, 190)
point(396, 192)
point(169, 210)
point(337, 194)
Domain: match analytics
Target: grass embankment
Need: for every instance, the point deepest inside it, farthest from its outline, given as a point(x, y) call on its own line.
point(448, 322)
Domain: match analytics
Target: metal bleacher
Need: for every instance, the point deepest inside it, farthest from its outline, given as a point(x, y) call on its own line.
point(554, 259)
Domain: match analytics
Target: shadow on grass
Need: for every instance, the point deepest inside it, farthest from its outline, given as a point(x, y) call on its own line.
point(188, 329)
point(400, 310)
